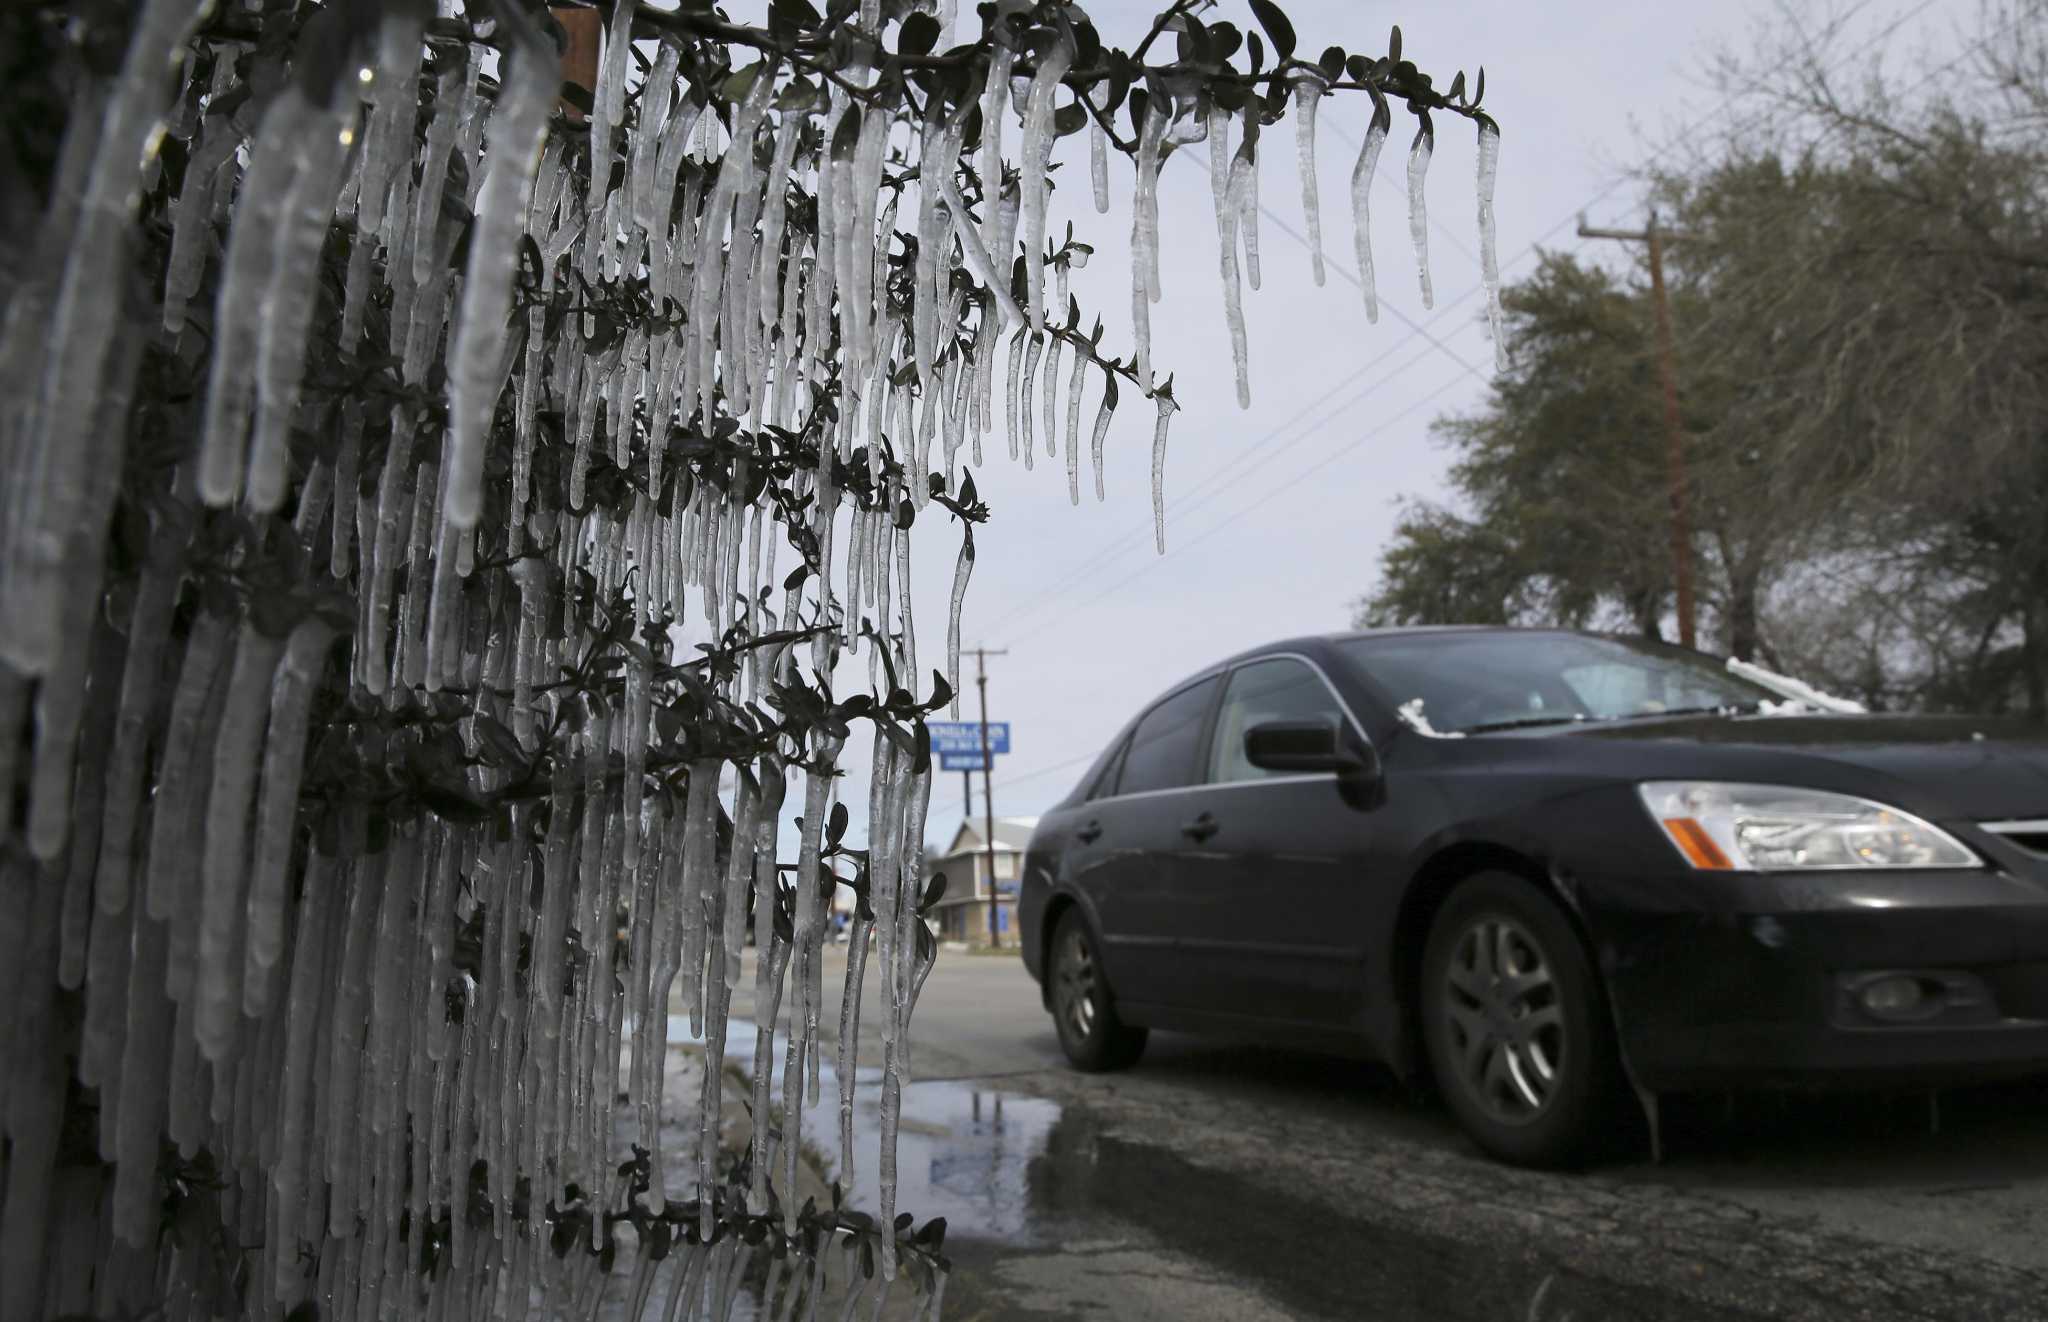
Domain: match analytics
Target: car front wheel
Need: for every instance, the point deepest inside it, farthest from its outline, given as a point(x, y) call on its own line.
point(1514, 1024)
point(1090, 1032)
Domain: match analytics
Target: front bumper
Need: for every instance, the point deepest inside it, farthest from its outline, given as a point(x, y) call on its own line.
point(1723, 980)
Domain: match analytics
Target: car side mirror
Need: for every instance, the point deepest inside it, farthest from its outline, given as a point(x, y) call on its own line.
point(1309, 747)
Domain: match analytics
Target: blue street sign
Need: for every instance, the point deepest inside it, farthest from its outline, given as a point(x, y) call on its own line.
point(965, 737)
point(961, 762)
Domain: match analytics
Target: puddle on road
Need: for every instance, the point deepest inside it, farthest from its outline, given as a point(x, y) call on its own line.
point(1021, 1175)
point(962, 1152)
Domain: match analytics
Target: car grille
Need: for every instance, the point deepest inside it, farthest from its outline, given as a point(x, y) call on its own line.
point(2030, 835)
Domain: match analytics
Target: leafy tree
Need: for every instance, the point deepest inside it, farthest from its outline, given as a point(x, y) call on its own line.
point(379, 413)
point(1861, 322)
point(1563, 474)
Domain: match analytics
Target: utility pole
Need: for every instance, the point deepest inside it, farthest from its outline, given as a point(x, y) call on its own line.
point(1667, 368)
point(988, 796)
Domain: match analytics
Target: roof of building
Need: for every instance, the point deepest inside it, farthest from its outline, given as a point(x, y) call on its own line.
point(1012, 834)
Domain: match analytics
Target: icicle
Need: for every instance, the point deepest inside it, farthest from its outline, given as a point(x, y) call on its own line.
point(1102, 412)
point(1221, 173)
point(172, 859)
point(1098, 152)
point(980, 260)
point(1361, 202)
point(995, 95)
point(1489, 261)
point(1145, 241)
point(962, 568)
point(1052, 397)
point(519, 124)
point(260, 214)
point(607, 112)
point(1308, 94)
point(226, 842)
point(394, 90)
point(291, 296)
point(1013, 386)
point(1418, 209)
point(191, 234)
point(1031, 354)
point(1166, 408)
point(284, 749)
point(1244, 193)
point(649, 209)
point(1074, 388)
point(903, 612)
point(1052, 67)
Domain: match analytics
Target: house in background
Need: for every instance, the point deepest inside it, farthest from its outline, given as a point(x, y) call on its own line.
point(962, 914)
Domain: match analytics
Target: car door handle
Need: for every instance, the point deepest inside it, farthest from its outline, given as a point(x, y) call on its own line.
point(1090, 833)
point(1201, 828)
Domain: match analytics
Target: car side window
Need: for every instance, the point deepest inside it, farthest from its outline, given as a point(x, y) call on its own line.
point(1105, 781)
point(1282, 689)
point(1163, 748)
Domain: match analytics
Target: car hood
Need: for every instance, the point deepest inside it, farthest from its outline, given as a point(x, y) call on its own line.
point(1976, 767)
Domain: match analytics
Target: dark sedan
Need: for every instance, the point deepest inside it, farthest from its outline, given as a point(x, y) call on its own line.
point(1550, 868)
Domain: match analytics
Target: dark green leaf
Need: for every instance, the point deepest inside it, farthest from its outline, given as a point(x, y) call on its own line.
point(454, 805)
point(1277, 27)
point(1394, 45)
point(920, 32)
point(577, 95)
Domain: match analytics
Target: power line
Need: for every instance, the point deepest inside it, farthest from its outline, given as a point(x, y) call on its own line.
point(1139, 534)
point(1214, 529)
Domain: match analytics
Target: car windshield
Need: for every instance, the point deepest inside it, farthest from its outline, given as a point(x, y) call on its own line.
point(1457, 682)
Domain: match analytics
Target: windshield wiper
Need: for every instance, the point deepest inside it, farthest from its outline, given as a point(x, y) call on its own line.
point(1521, 723)
point(1724, 709)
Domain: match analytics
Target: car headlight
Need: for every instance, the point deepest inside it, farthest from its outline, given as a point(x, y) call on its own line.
point(1772, 828)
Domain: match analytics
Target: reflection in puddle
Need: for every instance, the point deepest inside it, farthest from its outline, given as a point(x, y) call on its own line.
point(962, 1152)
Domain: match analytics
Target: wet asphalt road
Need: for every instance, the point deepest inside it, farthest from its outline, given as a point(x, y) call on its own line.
point(1231, 1181)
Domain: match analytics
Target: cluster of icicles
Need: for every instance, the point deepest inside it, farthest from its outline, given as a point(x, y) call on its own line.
point(383, 1074)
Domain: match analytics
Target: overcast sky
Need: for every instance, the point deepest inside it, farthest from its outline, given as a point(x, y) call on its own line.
point(1277, 514)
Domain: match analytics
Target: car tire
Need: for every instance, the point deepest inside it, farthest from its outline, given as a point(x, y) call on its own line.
point(1515, 1025)
point(1083, 1011)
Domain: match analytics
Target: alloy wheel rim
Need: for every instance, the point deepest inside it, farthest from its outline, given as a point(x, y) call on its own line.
point(1077, 986)
point(1506, 1024)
